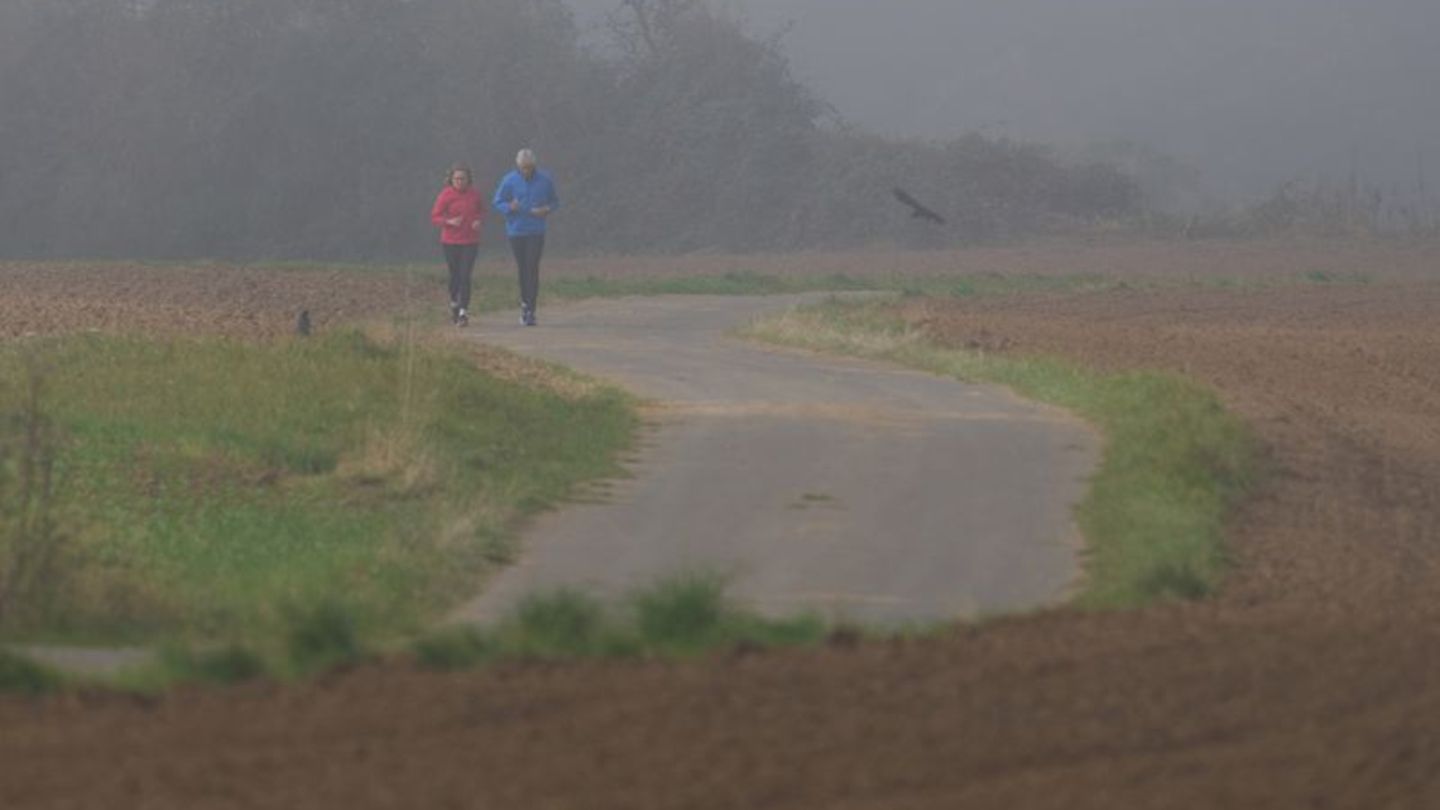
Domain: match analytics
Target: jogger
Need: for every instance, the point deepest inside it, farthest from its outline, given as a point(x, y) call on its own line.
point(526, 197)
point(458, 213)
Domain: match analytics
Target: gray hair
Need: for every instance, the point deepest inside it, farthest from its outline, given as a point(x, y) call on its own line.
point(525, 157)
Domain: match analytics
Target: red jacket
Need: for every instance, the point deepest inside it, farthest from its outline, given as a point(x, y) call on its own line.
point(466, 205)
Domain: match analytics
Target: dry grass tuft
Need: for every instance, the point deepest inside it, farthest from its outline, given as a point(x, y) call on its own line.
point(394, 460)
point(530, 373)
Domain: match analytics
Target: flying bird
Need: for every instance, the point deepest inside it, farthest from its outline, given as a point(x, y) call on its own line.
point(916, 209)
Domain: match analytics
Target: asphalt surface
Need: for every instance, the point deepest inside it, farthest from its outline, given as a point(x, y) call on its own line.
point(847, 488)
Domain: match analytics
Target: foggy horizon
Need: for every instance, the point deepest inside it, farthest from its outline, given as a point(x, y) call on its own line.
point(1249, 95)
point(1010, 120)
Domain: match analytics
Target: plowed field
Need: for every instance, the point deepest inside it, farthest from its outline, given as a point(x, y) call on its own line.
point(1311, 680)
point(52, 298)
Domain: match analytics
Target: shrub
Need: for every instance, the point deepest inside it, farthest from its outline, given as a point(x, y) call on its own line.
point(32, 546)
point(322, 636)
point(18, 674)
point(459, 647)
point(231, 663)
point(687, 611)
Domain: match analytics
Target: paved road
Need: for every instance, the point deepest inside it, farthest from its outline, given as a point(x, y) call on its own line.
point(844, 487)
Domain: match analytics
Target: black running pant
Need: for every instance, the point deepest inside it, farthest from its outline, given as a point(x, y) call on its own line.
point(527, 250)
point(461, 259)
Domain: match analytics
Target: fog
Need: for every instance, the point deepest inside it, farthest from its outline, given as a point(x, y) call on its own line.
point(1250, 93)
point(300, 128)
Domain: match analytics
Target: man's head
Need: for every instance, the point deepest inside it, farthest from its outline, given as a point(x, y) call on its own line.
point(525, 162)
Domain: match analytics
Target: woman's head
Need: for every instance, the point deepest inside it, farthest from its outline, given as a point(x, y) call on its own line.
point(460, 176)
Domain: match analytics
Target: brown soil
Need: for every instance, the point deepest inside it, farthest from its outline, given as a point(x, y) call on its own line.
point(51, 298)
point(1312, 680)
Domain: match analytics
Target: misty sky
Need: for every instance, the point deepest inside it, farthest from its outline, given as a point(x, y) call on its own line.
point(1252, 92)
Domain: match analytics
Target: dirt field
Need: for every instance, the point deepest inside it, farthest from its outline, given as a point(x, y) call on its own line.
point(50, 298)
point(1311, 680)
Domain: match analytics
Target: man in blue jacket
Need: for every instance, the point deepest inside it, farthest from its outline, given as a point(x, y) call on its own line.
point(526, 197)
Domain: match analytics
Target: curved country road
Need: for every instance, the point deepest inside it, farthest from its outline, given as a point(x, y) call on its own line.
point(847, 488)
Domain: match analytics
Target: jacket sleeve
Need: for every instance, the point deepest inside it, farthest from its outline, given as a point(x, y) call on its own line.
point(554, 197)
point(501, 203)
point(437, 211)
point(480, 211)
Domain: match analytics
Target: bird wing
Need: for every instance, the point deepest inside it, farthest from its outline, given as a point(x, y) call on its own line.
point(918, 209)
point(906, 198)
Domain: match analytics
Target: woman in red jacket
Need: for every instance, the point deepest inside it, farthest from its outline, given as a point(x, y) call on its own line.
point(458, 213)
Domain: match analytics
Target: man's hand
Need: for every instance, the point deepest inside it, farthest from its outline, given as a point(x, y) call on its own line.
point(514, 206)
point(541, 212)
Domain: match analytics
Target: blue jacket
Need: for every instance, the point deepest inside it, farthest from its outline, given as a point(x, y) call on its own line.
point(536, 192)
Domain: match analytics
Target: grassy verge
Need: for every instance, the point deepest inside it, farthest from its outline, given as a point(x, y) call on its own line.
point(494, 283)
point(218, 489)
point(19, 675)
point(683, 616)
point(687, 615)
point(497, 292)
point(1174, 460)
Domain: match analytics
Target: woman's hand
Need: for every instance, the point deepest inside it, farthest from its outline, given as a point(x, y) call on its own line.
point(453, 222)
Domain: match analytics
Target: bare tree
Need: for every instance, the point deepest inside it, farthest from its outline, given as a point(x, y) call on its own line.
point(640, 26)
point(316, 129)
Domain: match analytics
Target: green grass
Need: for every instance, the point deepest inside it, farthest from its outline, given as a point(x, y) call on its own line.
point(456, 647)
point(317, 639)
point(495, 283)
point(324, 639)
point(215, 488)
point(685, 615)
point(177, 663)
point(322, 636)
point(747, 283)
point(19, 675)
point(1351, 279)
point(1174, 461)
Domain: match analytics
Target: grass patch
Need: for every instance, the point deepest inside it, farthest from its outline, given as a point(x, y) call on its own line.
point(316, 639)
point(227, 664)
point(323, 636)
point(213, 488)
point(494, 289)
point(1349, 279)
point(20, 675)
point(1174, 464)
point(455, 648)
point(746, 283)
point(498, 292)
point(684, 615)
point(564, 623)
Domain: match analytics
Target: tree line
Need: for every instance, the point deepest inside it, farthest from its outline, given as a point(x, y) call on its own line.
point(322, 129)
